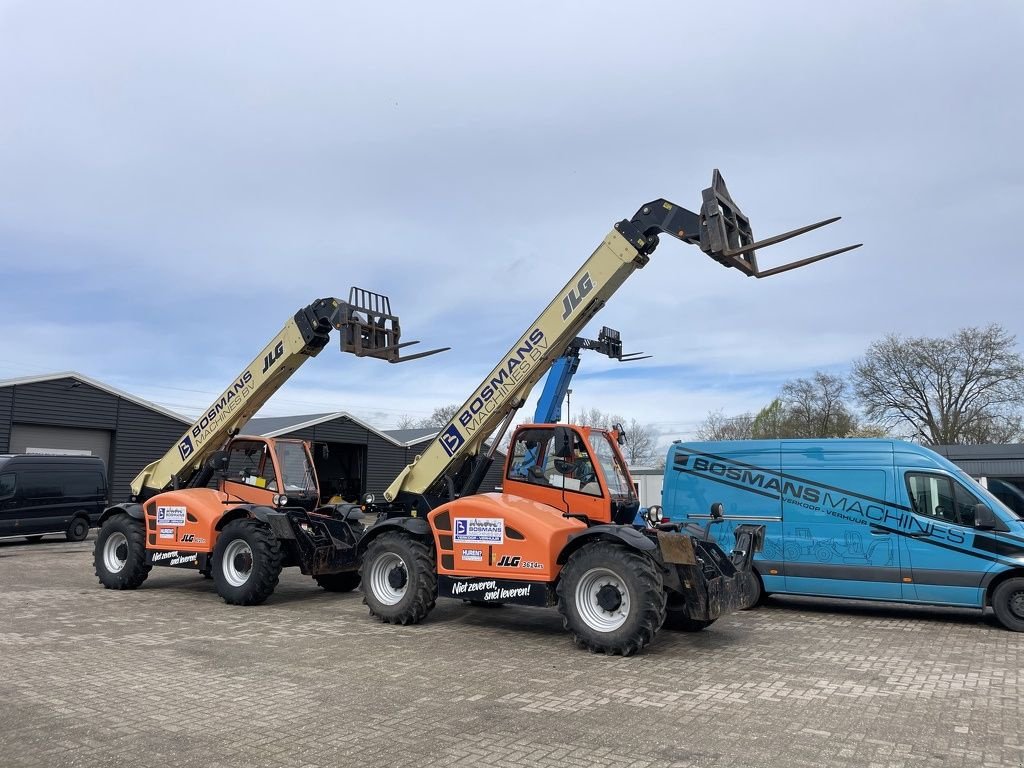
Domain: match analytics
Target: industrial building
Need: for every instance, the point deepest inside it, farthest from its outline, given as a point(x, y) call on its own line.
point(71, 414)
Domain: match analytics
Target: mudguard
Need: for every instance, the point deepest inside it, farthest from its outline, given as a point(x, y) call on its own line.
point(277, 520)
point(416, 526)
point(128, 508)
point(627, 535)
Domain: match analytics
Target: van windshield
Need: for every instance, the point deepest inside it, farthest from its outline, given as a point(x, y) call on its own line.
point(987, 496)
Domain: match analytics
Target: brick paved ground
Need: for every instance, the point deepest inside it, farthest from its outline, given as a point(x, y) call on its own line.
point(170, 675)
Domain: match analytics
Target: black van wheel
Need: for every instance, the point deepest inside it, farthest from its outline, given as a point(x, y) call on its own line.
point(120, 554)
point(78, 530)
point(1008, 603)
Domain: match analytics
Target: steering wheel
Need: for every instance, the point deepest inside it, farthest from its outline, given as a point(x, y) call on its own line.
point(584, 471)
point(564, 467)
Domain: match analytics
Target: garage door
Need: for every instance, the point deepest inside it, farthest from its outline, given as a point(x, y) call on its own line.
point(30, 438)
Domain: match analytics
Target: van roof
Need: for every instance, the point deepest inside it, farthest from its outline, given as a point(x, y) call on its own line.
point(45, 458)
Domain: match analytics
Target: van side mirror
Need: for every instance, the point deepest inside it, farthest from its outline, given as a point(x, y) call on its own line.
point(984, 518)
point(563, 442)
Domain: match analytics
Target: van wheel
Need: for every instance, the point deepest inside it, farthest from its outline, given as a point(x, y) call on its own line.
point(1008, 603)
point(612, 599)
point(338, 582)
point(246, 562)
point(119, 557)
point(78, 530)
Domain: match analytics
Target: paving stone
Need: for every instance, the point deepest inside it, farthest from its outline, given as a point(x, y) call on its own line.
point(170, 675)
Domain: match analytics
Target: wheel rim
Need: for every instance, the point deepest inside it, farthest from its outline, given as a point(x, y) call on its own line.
point(597, 593)
point(1016, 603)
point(389, 578)
point(115, 552)
point(79, 528)
point(237, 562)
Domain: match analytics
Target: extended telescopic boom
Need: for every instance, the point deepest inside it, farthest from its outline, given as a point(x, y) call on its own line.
point(720, 230)
point(368, 329)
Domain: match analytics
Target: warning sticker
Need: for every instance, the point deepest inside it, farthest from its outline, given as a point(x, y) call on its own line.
point(479, 530)
point(170, 515)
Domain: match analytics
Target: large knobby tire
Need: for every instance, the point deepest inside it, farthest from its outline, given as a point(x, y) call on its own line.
point(399, 578)
point(1008, 603)
point(119, 557)
point(78, 529)
point(612, 598)
point(246, 562)
point(338, 582)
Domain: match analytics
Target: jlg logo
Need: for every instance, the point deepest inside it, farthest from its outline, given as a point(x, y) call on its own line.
point(189, 538)
point(272, 358)
point(509, 561)
point(576, 295)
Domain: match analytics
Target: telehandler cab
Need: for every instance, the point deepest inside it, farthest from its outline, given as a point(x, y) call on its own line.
point(240, 508)
point(560, 533)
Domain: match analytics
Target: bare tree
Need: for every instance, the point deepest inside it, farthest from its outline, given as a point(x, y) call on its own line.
point(816, 407)
point(440, 417)
point(966, 388)
point(718, 426)
point(641, 446)
point(405, 421)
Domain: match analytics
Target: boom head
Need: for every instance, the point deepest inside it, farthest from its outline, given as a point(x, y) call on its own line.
point(370, 330)
point(721, 230)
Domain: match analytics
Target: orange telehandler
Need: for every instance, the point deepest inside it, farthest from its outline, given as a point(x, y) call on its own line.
point(559, 533)
point(240, 508)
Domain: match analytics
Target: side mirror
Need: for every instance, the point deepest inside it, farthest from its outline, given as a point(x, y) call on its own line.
point(717, 511)
point(620, 433)
point(218, 461)
point(563, 442)
point(984, 518)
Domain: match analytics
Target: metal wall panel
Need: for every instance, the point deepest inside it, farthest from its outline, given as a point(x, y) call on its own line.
point(33, 438)
point(6, 396)
point(141, 436)
point(64, 403)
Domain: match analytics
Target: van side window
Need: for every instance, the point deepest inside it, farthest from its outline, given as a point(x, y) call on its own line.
point(84, 484)
point(7, 485)
point(940, 498)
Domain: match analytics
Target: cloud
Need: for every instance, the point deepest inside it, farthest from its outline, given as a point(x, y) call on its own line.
point(176, 180)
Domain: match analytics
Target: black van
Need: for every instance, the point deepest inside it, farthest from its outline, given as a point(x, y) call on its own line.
point(42, 494)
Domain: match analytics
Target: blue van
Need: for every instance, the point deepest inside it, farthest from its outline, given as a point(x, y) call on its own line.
point(864, 519)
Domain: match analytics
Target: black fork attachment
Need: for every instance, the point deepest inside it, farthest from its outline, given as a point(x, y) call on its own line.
point(368, 329)
point(720, 229)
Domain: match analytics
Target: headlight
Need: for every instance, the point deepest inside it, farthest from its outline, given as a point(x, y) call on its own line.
point(368, 498)
point(281, 500)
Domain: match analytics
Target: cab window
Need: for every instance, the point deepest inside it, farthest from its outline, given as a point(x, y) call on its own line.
point(941, 498)
point(249, 463)
point(533, 460)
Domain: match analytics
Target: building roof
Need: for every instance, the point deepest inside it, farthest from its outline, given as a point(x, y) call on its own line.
point(980, 452)
point(410, 436)
point(275, 426)
point(98, 385)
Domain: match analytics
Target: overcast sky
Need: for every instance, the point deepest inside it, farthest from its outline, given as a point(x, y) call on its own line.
point(176, 179)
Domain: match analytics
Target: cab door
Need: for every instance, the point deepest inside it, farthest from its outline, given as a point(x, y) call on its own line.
point(945, 565)
point(534, 470)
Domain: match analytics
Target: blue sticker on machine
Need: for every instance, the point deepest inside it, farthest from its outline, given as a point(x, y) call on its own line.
point(451, 440)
